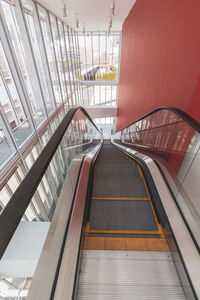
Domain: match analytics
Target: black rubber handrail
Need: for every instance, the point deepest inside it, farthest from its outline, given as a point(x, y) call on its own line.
point(184, 116)
point(16, 207)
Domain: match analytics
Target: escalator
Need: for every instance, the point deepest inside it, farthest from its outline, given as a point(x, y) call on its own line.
point(125, 255)
point(119, 228)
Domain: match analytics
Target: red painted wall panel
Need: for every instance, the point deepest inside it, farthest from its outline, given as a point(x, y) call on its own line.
point(160, 59)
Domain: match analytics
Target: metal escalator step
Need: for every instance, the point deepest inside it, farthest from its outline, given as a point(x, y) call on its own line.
point(110, 168)
point(133, 215)
point(118, 186)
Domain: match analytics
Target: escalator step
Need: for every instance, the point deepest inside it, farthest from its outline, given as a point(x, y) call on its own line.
point(110, 168)
point(134, 215)
point(118, 186)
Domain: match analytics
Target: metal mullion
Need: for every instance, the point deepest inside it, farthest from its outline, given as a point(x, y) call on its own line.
point(93, 65)
point(74, 54)
point(86, 64)
point(99, 68)
point(72, 64)
point(15, 71)
point(9, 97)
point(70, 54)
point(76, 67)
point(112, 63)
point(69, 75)
point(106, 49)
point(33, 57)
point(62, 56)
point(74, 71)
point(51, 33)
point(75, 75)
point(118, 71)
point(80, 71)
point(45, 53)
point(79, 64)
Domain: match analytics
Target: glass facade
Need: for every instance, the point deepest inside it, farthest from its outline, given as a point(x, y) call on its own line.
point(45, 69)
point(40, 72)
point(99, 55)
point(39, 82)
point(99, 67)
point(99, 64)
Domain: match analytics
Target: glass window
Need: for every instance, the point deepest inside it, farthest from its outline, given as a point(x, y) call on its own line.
point(11, 103)
point(99, 55)
point(14, 19)
point(43, 16)
point(7, 148)
point(69, 56)
point(56, 41)
point(64, 56)
point(40, 58)
point(92, 97)
point(74, 54)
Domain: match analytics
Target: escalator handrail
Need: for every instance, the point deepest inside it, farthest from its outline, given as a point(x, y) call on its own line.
point(183, 115)
point(16, 207)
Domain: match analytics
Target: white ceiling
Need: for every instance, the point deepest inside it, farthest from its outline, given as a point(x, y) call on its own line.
point(93, 14)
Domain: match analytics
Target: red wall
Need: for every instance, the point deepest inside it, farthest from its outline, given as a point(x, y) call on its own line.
point(160, 59)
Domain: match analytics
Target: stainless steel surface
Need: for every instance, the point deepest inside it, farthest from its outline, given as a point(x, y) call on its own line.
point(185, 243)
point(43, 279)
point(128, 275)
point(67, 272)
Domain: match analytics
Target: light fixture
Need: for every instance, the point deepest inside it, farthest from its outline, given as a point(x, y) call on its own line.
point(77, 21)
point(112, 8)
point(84, 29)
point(64, 8)
point(110, 23)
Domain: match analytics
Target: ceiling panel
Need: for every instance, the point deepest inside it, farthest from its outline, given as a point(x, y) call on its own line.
point(93, 14)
